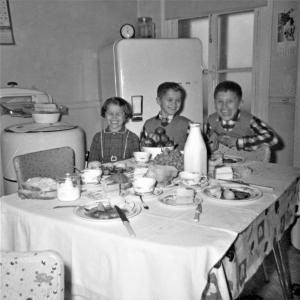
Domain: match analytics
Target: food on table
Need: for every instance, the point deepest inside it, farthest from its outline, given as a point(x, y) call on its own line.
point(143, 185)
point(227, 193)
point(162, 173)
point(170, 158)
point(241, 171)
point(91, 175)
point(224, 172)
point(141, 156)
point(118, 178)
point(189, 178)
point(184, 196)
point(109, 168)
point(158, 138)
point(215, 191)
point(107, 213)
point(160, 130)
point(44, 184)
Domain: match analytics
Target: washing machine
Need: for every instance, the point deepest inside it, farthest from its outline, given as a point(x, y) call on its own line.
point(20, 135)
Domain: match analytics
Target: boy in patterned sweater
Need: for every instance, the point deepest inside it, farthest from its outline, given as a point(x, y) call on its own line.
point(232, 127)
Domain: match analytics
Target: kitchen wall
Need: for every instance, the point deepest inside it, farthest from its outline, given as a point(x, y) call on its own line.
point(284, 106)
point(56, 51)
point(283, 78)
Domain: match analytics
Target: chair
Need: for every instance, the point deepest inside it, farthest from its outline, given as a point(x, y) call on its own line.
point(47, 163)
point(32, 275)
point(263, 153)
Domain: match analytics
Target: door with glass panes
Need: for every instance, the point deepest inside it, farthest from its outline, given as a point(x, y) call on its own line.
point(227, 41)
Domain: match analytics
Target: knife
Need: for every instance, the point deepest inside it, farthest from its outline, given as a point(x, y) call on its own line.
point(248, 184)
point(125, 221)
point(198, 212)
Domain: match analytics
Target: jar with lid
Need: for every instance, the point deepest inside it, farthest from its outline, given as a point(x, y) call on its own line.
point(145, 28)
point(195, 152)
point(68, 187)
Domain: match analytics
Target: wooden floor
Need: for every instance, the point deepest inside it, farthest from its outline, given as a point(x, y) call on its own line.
point(272, 289)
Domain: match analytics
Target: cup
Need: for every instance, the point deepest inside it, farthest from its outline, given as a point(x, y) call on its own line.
point(91, 176)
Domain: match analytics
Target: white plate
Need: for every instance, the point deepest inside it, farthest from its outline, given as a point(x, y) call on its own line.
point(254, 193)
point(131, 209)
point(177, 181)
point(170, 199)
point(156, 192)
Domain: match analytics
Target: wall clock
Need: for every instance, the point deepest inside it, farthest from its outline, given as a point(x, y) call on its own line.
point(127, 31)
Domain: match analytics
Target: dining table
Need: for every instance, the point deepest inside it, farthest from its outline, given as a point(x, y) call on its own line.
point(171, 256)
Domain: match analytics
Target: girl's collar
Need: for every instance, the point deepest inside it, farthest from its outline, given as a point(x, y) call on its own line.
point(122, 130)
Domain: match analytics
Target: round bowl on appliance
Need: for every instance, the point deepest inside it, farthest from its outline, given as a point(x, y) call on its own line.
point(45, 118)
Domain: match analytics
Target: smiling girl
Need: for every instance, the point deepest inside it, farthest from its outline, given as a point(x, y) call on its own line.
point(115, 142)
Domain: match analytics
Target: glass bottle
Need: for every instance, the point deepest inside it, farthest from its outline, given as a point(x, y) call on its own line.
point(195, 152)
point(145, 28)
point(68, 188)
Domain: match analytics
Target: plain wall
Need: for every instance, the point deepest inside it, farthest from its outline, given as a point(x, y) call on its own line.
point(56, 51)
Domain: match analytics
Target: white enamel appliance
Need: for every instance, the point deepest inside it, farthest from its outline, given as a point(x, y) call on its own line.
point(133, 69)
point(19, 135)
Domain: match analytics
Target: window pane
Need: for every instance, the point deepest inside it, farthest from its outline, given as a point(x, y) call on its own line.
point(196, 28)
point(236, 40)
point(244, 79)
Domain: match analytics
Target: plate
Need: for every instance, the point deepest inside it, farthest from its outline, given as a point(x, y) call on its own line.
point(244, 194)
point(40, 195)
point(177, 181)
point(171, 199)
point(157, 191)
point(131, 209)
point(232, 159)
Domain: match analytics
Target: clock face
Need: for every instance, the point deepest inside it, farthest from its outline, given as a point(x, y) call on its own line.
point(127, 31)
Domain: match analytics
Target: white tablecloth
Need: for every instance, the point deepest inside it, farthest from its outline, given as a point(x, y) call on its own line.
point(170, 258)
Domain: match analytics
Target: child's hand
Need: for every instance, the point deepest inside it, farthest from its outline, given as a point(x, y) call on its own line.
point(228, 141)
point(94, 164)
point(213, 142)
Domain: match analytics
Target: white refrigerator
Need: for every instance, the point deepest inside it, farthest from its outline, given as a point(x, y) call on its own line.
point(133, 69)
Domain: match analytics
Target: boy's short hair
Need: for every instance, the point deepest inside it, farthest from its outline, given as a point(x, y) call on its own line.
point(119, 102)
point(231, 86)
point(165, 86)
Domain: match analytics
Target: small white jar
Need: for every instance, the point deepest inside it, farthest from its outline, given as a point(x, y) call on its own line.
point(68, 188)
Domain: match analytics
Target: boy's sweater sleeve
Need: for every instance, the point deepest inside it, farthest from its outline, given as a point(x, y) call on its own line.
point(263, 135)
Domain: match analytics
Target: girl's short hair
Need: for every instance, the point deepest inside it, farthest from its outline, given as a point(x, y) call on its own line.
point(165, 86)
point(231, 86)
point(119, 102)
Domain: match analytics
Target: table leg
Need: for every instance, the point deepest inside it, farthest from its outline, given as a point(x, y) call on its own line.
point(283, 273)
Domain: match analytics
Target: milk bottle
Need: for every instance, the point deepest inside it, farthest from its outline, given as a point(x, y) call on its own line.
point(195, 152)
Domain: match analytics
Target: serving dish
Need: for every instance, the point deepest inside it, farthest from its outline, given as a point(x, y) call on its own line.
point(91, 212)
point(242, 194)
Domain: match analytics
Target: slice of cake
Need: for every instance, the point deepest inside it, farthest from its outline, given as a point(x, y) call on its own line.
point(184, 196)
point(225, 173)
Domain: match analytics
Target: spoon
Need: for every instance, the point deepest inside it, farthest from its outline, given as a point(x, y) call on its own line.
point(143, 202)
